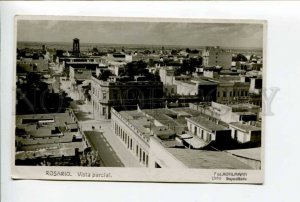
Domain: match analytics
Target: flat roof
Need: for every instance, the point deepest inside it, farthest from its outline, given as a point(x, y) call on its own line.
point(245, 127)
point(53, 150)
point(208, 124)
point(243, 105)
point(62, 138)
point(207, 159)
point(251, 153)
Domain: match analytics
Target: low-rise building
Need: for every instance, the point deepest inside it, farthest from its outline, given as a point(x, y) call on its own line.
point(229, 113)
point(209, 130)
point(204, 89)
point(49, 139)
point(246, 132)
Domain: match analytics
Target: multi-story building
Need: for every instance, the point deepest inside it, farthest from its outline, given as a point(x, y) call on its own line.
point(215, 56)
point(205, 90)
point(161, 138)
point(124, 92)
point(233, 92)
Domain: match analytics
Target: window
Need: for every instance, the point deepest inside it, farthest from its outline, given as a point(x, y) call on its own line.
point(233, 93)
point(230, 93)
point(224, 94)
point(201, 134)
point(130, 144)
point(146, 160)
point(157, 165)
point(140, 154)
point(235, 134)
point(104, 96)
point(208, 137)
point(137, 150)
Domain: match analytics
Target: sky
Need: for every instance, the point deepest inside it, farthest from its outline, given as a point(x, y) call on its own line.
point(149, 33)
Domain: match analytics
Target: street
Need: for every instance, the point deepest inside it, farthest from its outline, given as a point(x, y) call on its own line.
point(107, 155)
point(111, 150)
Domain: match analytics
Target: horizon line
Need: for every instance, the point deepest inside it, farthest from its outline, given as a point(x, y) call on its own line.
point(112, 43)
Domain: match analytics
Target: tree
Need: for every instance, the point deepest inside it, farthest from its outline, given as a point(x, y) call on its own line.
point(174, 52)
point(240, 58)
point(104, 75)
point(139, 68)
point(189, 66)
point(187, 50)
point(95, 50)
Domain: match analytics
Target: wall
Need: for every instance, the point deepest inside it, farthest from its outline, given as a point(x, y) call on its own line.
point(126, 134)
point(197, 130)
point(184, 88)
point(242, 137)
point(158, 154)
point(230, 92)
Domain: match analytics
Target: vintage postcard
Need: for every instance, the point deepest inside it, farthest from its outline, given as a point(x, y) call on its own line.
point(139, 99)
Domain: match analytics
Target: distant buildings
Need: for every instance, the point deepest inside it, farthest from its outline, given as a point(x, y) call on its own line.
point(215, 56)
point(119, 57)
point(221, 128)
point(76, 47)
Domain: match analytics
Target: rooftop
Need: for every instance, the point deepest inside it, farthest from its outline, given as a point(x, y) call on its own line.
point(206, 159)
point(208, 124)
point(162, 122)
point(252, 153)
point(53, 150)
point(245, 126)
point(40, 135)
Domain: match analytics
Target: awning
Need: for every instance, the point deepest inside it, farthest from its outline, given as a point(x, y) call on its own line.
point(196, 143)
point(185, 136)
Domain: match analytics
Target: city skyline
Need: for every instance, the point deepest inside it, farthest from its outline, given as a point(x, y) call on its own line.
point(143, 33)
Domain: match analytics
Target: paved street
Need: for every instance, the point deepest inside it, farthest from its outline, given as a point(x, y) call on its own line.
point(87, 120)
point(107, 155)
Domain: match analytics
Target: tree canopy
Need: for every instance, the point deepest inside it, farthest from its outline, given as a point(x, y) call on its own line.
point(137, 68)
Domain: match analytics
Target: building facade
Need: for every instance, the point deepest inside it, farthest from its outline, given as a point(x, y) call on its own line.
point(215, 56)
point(118, 93)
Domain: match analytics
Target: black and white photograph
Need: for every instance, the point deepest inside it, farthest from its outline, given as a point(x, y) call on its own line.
point(178, 97)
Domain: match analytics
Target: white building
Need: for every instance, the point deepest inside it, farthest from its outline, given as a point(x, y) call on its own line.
point(215, 56)
point(245, 132)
